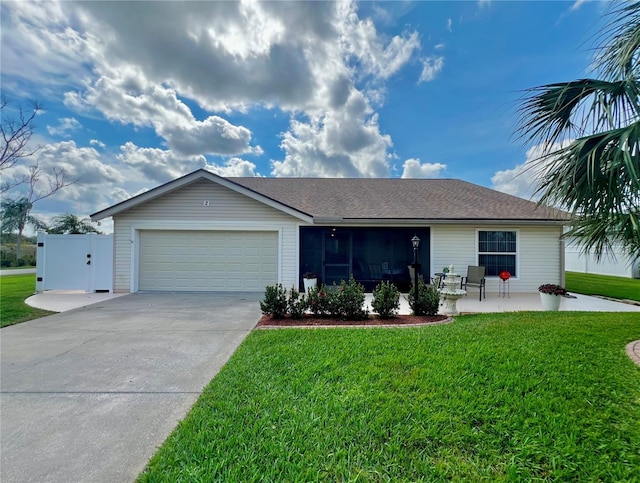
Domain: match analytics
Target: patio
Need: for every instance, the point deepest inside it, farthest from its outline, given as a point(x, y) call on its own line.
point(524, 301)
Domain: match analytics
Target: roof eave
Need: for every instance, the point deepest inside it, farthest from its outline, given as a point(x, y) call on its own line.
point(435, 221)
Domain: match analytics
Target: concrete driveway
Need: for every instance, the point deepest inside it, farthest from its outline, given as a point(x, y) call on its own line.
point(89, 394)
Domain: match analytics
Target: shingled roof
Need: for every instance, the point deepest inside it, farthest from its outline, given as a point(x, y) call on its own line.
point(398, 199)
point(332, 200)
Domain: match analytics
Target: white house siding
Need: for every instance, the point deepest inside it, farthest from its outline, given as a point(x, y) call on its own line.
point(184, 209)
point(538, 258)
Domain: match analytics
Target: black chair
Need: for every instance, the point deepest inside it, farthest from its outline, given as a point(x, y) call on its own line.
point(475, 278)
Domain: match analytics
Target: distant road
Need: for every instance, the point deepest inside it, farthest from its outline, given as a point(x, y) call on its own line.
point(17, 271)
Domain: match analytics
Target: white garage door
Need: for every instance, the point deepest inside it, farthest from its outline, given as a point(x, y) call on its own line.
point(207, 261)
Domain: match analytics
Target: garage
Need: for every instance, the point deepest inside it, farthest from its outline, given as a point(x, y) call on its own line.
point(207, 261)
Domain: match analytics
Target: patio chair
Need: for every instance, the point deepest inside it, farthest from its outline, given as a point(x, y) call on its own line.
point(475, 278)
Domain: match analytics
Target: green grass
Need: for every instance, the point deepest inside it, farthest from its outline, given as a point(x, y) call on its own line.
point(615, 287)
point(14, 289)
point(528, 396)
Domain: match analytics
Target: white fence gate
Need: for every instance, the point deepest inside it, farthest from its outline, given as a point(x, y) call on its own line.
point(74, 262)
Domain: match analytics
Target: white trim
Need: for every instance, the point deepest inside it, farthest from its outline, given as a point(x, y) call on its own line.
point(173, 225)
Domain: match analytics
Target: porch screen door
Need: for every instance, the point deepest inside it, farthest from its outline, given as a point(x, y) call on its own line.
point(337, 257)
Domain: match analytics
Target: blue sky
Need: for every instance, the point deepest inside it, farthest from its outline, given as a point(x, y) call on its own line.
point(136, 94)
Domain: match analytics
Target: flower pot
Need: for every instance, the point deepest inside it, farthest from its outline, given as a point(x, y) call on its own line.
point(550, 301)
point(309, 283)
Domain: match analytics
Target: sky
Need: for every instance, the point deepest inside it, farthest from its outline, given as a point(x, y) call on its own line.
point(136, 94)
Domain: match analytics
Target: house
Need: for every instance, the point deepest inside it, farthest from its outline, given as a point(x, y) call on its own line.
point(203, 232)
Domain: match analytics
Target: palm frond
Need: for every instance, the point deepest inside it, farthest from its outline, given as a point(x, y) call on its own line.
point(619, 54)
point(551, 113)
point(597, 173)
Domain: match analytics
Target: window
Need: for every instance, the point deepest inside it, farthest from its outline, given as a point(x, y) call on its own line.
point(497, 251)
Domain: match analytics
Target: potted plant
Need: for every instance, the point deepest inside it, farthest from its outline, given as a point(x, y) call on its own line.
point(310, 280)
point(550, 296)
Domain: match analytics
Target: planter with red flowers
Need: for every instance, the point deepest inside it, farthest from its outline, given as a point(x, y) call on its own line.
point(551, 296)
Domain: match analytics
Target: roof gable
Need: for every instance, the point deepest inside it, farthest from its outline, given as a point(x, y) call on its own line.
point(187, 180)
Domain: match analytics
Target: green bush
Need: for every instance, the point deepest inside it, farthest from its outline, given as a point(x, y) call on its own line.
point(386, 300)
point(297, 304)
point(346, 301)
point(428, 299)
point(318, 301)
point(275, 301)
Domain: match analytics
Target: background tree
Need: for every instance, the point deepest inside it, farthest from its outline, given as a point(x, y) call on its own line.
point(15, 216)
point(70, 224)
point(589, 131)
point(23, 181)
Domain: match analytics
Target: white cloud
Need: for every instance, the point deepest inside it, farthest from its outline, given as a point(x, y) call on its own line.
point(234, 167)
point(345, 143)
point(523, 179)
point(431, 67)
point(183, 70)
point(449, 25)
point(84, 167)
point(413, 168)
point(96, 142)
point(159, 165)
point(65, 128)
point(577, 4)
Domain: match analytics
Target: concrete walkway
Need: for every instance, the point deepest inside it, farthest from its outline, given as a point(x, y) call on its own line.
point(89, 394)
point(63, 300)
point(17, 271)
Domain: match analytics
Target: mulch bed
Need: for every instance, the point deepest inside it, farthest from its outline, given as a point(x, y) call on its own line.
point(373, 321)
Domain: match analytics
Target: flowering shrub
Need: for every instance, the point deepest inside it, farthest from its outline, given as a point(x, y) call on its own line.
point(428, 299)
point(277, 304)
point(297, 304)
point(552, 289)
point(386, 300)
point(275, 301)
point(318, 301)
point(344, 301)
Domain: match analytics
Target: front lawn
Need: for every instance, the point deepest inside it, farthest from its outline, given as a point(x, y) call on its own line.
point(527, 396)
point(615, 287)
point(14, 289)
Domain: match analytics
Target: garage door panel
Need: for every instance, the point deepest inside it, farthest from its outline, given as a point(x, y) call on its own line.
point(207, 260)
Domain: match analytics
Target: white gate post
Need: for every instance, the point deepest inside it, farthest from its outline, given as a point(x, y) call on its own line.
point(40, 260)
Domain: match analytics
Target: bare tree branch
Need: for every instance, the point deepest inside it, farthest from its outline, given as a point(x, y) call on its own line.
point(15, 133)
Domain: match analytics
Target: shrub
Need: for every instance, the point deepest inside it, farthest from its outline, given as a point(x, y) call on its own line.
point(275, 301)
point(386, 300)
point(346, 301)
point(428, 299)
point(297, 304)
point(318, 301)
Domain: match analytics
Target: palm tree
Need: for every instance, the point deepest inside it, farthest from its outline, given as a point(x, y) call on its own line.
point(70, 224)
point(15, 217)
point(589, 131)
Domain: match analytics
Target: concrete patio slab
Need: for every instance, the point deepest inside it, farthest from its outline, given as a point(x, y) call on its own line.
point(524, 302)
